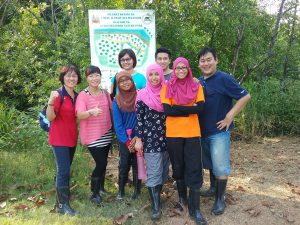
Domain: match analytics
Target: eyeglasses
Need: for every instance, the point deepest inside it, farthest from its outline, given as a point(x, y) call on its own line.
point(180, 68)
point(125, 60)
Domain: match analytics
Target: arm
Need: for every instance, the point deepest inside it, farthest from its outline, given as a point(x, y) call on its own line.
point(82, 112)
point(118, 124)
point(50, 113)
point(171, 111)
point(195, 109)
point(236, 109)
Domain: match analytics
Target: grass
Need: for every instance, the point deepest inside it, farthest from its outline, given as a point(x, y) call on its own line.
point(29, 174)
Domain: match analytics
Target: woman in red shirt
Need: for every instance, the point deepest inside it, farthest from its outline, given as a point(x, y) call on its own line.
point(63, 133)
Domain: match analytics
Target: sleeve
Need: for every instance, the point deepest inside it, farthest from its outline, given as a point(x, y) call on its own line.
point(118, 123)
point(140, 114)
point(197, 109)
point(113, 79)
point(172, 111)
point(80, 103)
point(233, 89)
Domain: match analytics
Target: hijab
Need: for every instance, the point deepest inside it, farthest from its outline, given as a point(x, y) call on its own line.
point(184, 90)
point(126, 99)
point(150, 95)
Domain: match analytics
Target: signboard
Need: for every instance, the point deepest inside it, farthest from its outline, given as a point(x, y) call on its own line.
point(113, 30)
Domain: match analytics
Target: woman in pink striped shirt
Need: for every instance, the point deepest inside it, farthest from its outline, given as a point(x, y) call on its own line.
point(93, 110)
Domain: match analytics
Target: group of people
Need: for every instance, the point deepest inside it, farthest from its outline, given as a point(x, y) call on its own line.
point(168, 116)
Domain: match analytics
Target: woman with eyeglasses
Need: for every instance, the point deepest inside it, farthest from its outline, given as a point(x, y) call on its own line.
point(127, 61)
point(63, 134)
point(183, 100)
point(92, 109)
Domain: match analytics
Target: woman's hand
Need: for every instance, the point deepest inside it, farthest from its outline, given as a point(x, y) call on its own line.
point(138, 145)
point(95, 111)
point(53, 96)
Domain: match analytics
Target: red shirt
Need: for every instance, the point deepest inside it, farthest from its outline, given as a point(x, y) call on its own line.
point(63, 129)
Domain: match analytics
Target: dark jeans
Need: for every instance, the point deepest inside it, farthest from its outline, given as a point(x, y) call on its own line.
point(186, 159)
point(63, 158)
point(100, 156)
point(127, 159)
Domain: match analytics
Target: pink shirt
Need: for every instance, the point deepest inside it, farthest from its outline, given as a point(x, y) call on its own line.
point(94, 127)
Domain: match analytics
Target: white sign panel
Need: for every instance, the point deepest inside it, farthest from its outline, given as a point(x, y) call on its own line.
point(113, 30)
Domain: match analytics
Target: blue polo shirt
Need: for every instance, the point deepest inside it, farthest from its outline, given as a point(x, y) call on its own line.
point(219, 90)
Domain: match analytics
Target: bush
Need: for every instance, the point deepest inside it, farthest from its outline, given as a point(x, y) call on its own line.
point(272, 109)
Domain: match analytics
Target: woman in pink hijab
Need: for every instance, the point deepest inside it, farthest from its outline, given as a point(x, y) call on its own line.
point(151, 131)
point(183, 101)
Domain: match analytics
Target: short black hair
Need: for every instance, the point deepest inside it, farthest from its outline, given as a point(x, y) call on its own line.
point(92, 69)
point(205, 50)
point(128, 51)
point(66, 69)
point(164, 50)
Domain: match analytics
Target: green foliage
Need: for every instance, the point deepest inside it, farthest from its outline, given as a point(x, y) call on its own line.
point(36, 40)
point(271, 110)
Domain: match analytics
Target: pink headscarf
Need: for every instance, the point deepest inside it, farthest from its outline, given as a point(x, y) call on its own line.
point(184, 90)
point(150, 95)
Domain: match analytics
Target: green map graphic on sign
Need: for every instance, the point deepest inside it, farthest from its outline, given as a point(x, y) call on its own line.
point(109, 42)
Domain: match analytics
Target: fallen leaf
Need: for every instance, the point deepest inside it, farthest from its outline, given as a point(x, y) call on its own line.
point(296, 190)
point(240, 188)
point(2, 205)
point(267, 204)
point(22, 207)
point(144, 207)
point(123, 218)
point(230, 200)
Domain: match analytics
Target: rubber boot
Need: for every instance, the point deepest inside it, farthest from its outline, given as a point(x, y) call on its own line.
point(194, 207)
point(219, 205)
point(63, 198)
point(212, 189)
point(102, 181)
point(155, 201)
point(95, 188)
point(122, 183)
point(136, 184)
point(182, 195)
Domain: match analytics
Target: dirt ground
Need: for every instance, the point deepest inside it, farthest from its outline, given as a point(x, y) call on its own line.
point(263, 189)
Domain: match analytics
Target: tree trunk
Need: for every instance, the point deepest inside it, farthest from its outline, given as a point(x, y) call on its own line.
point(242, 78)
point(239, 41)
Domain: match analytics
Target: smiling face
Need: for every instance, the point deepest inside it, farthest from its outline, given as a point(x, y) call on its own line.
point(181, 71)
point(163, 60)
point(126, 62)
point(94, 80)
point(208, 64)
point(154, 78)
point(70, 79)
point(125, 83)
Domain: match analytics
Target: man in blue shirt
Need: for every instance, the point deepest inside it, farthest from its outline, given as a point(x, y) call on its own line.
point(220, 89)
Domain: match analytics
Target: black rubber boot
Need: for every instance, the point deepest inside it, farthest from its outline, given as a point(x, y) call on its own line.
point(102, 181)
point(122, 183)
point(182, 194)
point(95, 188)
point(194, 207)
point(136, 184)
point(63, 198)
point(212, 189)
point(219, 205)
point(155, 201)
